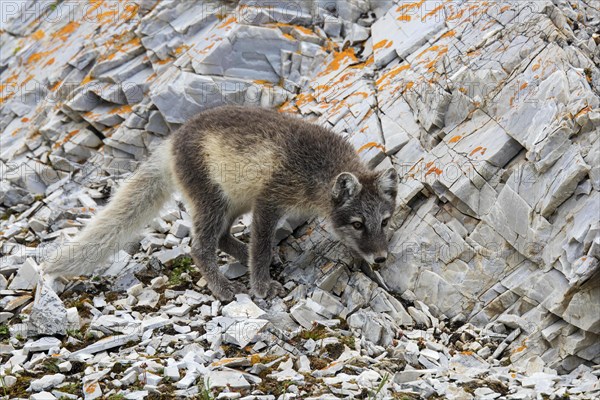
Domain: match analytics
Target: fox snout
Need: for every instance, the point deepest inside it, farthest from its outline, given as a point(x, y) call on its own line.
point(381, 257)
point(375, 258)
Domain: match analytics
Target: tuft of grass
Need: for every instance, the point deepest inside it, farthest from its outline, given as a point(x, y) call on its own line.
point(71, 388)
point(116, 396)
point(383, 382)
point(205, 392)
point(180, 266)
point(51, 366)
point(349, 341)
point(76, 333)
point(317, 333)
point(4, 332)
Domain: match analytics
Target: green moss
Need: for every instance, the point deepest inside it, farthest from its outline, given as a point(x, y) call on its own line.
point(349, 341)
point(4, 332)
point(51, 366)
point(317, 333)
point(19, 389)
point(71, 388)
point(180, 266)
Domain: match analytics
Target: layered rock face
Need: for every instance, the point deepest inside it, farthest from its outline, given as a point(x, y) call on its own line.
point(490, 112)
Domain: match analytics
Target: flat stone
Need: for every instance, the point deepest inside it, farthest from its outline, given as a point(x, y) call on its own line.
point(47, 382)
point(48, 315)
point(27, 277)
point(242, 307)
point(103, 344)
point(233, 270)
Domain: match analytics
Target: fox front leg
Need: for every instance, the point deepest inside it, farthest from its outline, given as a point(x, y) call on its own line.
point(265, 218)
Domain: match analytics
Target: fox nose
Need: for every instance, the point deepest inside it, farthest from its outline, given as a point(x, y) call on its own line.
point(381, 258)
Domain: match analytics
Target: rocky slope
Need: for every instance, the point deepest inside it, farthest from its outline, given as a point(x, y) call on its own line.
point(490, 111)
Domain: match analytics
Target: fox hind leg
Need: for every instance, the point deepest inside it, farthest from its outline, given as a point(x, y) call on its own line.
point(232, 245)
point(207, 230)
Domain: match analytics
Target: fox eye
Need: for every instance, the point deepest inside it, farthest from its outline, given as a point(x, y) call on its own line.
point(357, 225)
point(385, 222)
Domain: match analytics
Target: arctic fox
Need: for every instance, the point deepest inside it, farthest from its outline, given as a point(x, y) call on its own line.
point(228, 161)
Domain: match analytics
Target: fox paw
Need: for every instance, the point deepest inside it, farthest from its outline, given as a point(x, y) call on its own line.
point(268, 289)
point(225, 290)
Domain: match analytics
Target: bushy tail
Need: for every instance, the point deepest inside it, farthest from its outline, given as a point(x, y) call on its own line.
point(136, 202)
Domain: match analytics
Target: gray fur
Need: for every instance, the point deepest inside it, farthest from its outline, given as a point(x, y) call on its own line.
point(230, 160)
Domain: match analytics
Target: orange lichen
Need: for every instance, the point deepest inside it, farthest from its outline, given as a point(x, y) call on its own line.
point(520, 348)
point(206, 49)
point(121, 110)
point(25, 119)
point(50, 62)
point(35, 57)
point(263, 82)
point(409, 6)
point(91, 388)
point(455, 139)
point(478, 149)
point(131, 10)
point(181, 49)
point(458, 15)
point(392, 73)
point(227, 22)
point(304, 30)
point(64, 33)
point(86, 80)
point(434, 170)
point(38, 35)
point(370, 145)
point(165, 61)
point(523, 86)
point(432, 12)
point(55, 86)
point(68, 137)
point(404, 18)
point(338, 58)
point(304, 98)
point(448, 34)
point(106, 16)
point(382, 44)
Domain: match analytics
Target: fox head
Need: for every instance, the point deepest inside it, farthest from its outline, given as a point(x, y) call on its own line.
point(361, 211)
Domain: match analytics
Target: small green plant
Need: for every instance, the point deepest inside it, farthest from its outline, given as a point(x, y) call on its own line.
point(116, 396)
point(70, 388)
point(205, 392)
point(4, 332)
point(383, 382)
point(4, 388)
point(51, 366)
point(349, 341)
point(76, 333)
point(317, 333)
point(179, 267)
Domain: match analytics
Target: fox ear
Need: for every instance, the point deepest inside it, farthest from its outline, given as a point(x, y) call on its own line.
point(346, 186)
point(387, 183)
